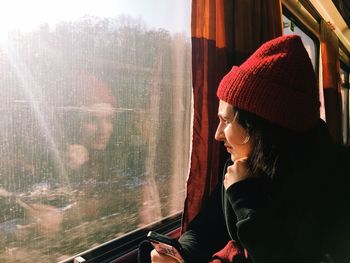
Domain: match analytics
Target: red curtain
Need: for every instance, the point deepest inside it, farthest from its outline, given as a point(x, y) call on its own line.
point(224, 33)
point(331, 80)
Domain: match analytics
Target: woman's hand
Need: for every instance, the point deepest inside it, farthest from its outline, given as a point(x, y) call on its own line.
point(237, 172)
point(158, 258)
point(77, 155)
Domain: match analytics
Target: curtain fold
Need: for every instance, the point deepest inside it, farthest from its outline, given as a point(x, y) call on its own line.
point(331, 80)
point(224, 33)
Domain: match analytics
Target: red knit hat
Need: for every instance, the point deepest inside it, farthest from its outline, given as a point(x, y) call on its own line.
point(277, 83)
point(88, 90)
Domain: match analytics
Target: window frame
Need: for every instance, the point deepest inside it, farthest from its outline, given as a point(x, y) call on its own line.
point(128, 243)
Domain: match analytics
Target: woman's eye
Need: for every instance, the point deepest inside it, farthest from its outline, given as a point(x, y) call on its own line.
point(226, 122)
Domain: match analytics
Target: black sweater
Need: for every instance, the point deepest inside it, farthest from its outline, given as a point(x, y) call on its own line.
point(302, 216)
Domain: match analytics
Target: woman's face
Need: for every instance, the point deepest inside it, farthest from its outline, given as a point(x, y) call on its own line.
point(234, 136)
point(97, 126)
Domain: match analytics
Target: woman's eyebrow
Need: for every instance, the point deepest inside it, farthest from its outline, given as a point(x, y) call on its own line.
point(221, 116)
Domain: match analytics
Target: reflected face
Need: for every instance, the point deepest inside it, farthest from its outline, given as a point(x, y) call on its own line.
point(97, 126)
point(234, 136)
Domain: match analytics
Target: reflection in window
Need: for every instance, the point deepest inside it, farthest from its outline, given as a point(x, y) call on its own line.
point(95, 117)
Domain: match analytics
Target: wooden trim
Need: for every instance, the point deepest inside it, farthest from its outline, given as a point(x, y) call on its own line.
point(330, 13)
point(311, 9)
point(302, 14)
point(304, 11)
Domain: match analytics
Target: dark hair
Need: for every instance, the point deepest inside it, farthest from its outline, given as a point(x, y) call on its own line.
point(273, 147)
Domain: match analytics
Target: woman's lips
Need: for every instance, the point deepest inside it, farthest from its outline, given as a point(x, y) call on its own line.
point(228, 148)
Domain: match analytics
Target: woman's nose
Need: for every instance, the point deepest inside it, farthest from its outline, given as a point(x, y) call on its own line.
point(219, 134)
point(103, 127)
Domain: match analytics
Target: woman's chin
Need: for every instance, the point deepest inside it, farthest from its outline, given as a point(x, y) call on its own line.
point(233, 157)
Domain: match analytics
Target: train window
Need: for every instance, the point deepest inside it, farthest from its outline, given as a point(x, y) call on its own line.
point(344, 78)
point(289, 27)
point(95, 102)
point(311, 46)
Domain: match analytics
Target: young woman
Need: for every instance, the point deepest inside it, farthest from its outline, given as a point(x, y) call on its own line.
point(284, 192)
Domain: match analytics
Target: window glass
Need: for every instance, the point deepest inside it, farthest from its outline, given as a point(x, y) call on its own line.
point(95, 104)
point(289, 27)
point(344, 80)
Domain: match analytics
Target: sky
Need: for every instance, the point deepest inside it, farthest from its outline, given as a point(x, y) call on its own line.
point(172, 15)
